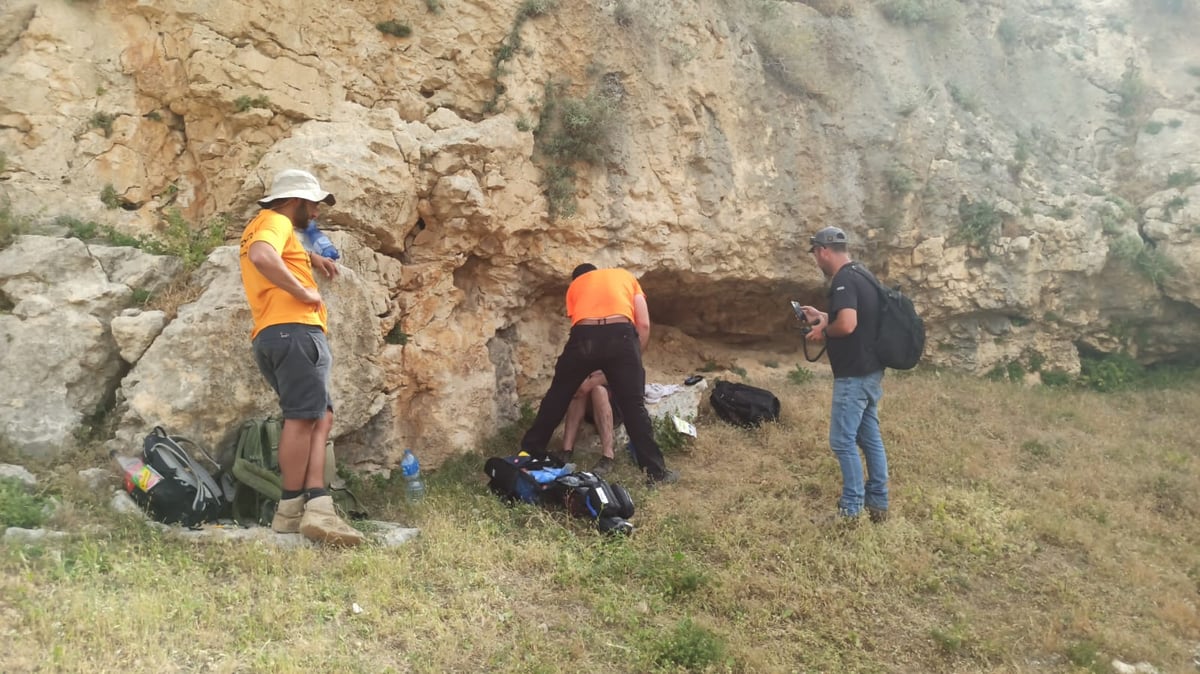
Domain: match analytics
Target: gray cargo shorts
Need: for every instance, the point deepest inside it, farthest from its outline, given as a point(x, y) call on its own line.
point(295, 359)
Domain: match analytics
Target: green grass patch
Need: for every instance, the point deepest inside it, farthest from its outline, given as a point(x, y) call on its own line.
point(800, 375)
point(915, 12)
point(20, 506)
point(1153, 127)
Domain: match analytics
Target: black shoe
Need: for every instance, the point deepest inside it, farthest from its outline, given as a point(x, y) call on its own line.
point(604, 466)
point(669, 477)
point(877, 515)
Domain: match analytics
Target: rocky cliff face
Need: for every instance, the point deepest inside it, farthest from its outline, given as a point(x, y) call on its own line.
point(1027, 170)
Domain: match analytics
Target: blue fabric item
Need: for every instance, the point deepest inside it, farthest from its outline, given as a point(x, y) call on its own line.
point(854, 425)
point(546, 475)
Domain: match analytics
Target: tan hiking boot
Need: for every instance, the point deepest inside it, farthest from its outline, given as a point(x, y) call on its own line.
point(321, 524)
point(287, 516)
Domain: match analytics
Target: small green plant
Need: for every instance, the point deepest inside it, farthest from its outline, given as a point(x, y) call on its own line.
point(103, 121)
point(1086, 654)
point(978, 222)
point(1131, 91)
point(109, 197)
point(11, 225)
point(1056, 378)
point(710, 366)
point(3, 162)
point(434, 6)
point(800, 375)
point(963, 99)
point(689, 647)
point(899, 180)
point(1153, 127)
point(524, 125)
point(394, 28)
point(1110, 373)
point(1176, 203)
point(914, 12)
point(140, 297)
point(951, 640)
point(533, 8)
point(773, 364)
point(19, 507)
point(246, 103)
point(1062, 212)
point(78, 229)
point(669, 439)
point(154, 116)
point(396, 336)
point(1182, 179)
point(1008, 31)
point(1174, 123)
point(560, 190)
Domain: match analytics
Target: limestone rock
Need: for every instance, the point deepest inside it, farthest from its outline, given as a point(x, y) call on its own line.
point(63, 294)
point(134, 330)
point(19, 473)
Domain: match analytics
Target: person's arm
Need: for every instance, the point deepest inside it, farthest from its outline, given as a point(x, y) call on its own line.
point(327, 266)
point(842, 326)
point(270, 264)
point(641, 320)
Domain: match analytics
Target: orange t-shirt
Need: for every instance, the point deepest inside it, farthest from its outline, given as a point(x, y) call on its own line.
point(270, 304)
point(602, 292)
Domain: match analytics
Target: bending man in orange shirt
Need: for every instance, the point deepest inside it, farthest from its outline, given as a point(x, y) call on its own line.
point(292, 352)
point(610, 325)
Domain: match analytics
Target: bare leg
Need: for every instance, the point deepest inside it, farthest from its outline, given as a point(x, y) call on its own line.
point(573, 419)
point(602, 411)
point(315, 477)
point(295, 441)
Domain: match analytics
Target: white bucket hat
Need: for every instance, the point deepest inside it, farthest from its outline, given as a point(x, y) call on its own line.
point(296, 183)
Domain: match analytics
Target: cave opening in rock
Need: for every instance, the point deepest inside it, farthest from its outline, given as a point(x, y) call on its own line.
point(740, 313)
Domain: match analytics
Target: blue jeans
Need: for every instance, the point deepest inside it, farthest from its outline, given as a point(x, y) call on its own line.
point(854, 424)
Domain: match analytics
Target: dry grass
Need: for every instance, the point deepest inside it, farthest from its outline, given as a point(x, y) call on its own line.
point(1033, 530)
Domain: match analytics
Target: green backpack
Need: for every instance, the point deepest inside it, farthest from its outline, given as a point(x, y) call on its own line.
point(257, 480)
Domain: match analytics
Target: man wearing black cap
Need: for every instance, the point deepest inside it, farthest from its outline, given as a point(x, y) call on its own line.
point(610, 326)
point(857, 375)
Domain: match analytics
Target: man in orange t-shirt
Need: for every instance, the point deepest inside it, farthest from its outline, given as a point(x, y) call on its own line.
point(292, 352)
point(610, 326)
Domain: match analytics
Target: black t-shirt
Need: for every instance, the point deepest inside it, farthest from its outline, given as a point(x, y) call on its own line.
point(854, 354)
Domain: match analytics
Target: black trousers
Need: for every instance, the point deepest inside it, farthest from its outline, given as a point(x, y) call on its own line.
point(615, 350)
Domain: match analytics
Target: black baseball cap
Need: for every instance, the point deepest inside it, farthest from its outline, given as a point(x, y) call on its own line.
point(827, 237)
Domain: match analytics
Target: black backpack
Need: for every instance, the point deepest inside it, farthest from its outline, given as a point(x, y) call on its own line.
point(187, 494)
point(901, 337)
point(743, 405)
point(540, 479)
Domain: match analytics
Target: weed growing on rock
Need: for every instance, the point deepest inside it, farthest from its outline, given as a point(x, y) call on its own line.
point(1183, 179)
point(394, 28)
point(914, 12)
point(11, 225)
point(978, 222)
point(109, 197)
point(246, 103)
point(104, 121)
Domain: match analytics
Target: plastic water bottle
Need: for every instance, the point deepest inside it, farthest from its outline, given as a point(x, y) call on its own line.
point(414, 486)
point(319, 243)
